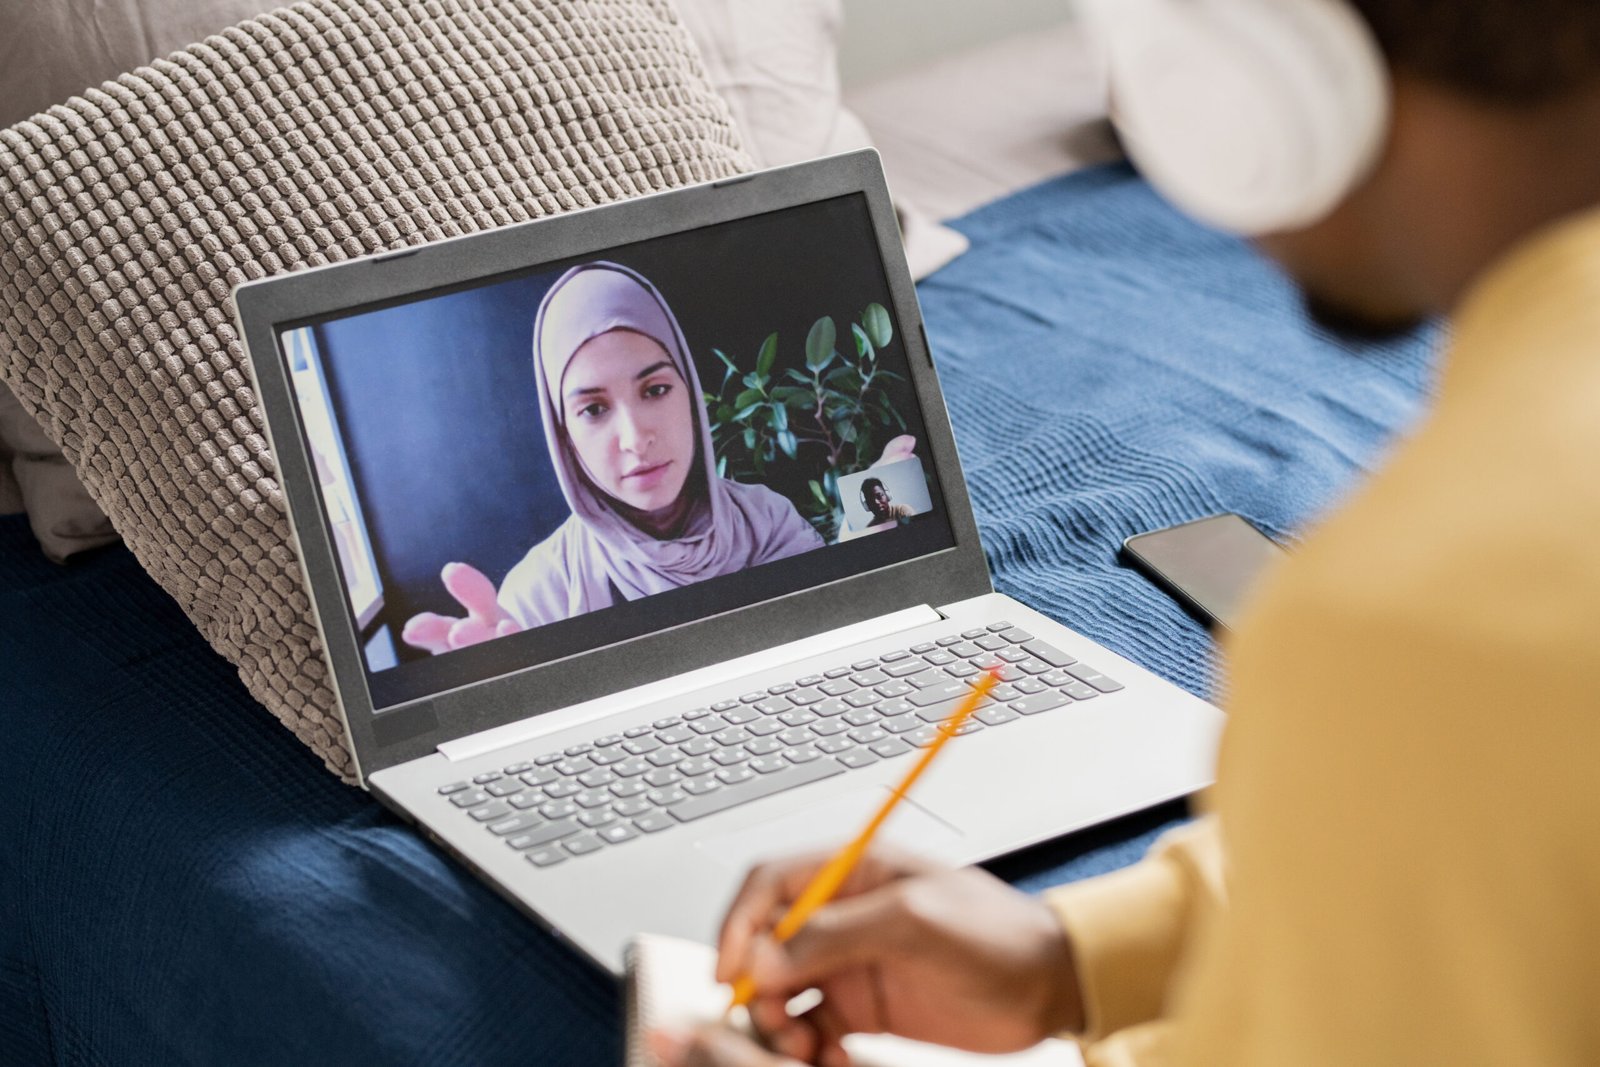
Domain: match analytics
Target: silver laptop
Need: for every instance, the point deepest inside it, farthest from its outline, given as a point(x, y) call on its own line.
point(639, 546)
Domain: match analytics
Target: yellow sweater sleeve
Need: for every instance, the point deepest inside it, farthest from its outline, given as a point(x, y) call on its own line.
point(1128, 928)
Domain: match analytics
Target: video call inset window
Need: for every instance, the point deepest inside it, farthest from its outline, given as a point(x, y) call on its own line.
point(884, 497)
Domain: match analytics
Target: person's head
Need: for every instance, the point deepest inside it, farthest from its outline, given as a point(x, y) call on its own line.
point(623, 415)
point(875, 498)
point(1384, 151)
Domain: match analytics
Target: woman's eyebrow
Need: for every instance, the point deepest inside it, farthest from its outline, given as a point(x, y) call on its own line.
point(591, 390)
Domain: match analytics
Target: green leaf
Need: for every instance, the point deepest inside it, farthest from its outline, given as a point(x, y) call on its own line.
point(722, 466)
point(846, 429)
point(750, 438)
point(801, 400)
point(863, 344)
point(878, 325)
point(720, 354)
point(788, 442)
point(816, 491)
point(780, 417)
point(744, 413)
point(748, 397)
point(820, 342)
point(724, 412)
point(844, 379)
point(768, 355)
point(798, 375)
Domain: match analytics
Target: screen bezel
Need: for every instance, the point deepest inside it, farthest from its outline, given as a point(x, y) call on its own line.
point(413, 729)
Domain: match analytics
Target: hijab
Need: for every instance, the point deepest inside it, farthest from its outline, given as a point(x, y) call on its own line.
point(733, 527)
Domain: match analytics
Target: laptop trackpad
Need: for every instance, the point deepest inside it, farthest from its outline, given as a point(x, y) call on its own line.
point(828, 825)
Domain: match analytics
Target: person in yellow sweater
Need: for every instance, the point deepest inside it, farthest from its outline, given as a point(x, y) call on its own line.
point(1400, 865)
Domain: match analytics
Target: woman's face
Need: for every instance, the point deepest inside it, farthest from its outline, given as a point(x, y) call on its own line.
point(630, 419)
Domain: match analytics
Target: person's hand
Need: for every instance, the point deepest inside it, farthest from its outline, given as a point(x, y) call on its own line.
point(902, 447)
point(712, 1046)
point(485, 620)
point(953, 957)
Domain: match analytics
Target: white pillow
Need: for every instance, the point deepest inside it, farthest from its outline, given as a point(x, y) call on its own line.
point(776, 63)
point(10, 491)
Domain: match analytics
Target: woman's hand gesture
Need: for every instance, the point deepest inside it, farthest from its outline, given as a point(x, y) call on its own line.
point(485, 620)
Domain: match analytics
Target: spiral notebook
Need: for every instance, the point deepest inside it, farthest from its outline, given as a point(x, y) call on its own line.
point(670, 985)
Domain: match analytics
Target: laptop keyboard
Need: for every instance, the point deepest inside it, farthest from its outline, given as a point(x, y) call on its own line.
point(676, 770)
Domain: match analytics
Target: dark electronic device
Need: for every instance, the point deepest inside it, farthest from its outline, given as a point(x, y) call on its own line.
point(1208, 565)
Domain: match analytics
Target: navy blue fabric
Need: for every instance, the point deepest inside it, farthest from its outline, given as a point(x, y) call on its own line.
point(180, 882)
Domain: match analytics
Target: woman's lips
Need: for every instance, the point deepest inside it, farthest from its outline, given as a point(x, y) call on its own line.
point(647, 478)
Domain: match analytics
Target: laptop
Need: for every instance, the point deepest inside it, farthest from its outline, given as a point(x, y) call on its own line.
point(639, 546)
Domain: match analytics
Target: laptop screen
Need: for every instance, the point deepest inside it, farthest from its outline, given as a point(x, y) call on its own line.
point(534, 465)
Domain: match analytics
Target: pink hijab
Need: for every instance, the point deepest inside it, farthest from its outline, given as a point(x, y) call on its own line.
point(734, 527)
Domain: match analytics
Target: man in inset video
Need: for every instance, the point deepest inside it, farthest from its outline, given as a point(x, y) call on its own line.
point(881, 506)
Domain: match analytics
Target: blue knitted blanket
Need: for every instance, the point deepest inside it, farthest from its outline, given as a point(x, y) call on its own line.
point(1112, 368)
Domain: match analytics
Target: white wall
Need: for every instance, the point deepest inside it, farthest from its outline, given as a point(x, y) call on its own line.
point(885, 36)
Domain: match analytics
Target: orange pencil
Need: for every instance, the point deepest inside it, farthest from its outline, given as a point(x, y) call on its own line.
point(826, 882)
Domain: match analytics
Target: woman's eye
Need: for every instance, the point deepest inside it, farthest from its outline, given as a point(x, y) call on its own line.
point(591, 411)
point(657, 389)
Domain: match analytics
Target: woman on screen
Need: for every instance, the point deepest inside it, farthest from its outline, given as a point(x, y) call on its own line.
point(625, 423)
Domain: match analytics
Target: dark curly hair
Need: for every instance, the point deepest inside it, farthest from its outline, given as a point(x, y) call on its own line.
point(1501, 51)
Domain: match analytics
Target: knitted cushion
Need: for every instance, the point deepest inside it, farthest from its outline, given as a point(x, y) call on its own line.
point(332, 129)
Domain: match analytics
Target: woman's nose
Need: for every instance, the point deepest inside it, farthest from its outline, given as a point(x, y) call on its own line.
point(632, 434)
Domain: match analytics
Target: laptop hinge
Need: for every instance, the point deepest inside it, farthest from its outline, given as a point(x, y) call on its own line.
point(680, 684)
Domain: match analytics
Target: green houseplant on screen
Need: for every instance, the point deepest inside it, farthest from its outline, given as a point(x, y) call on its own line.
point(799, 429)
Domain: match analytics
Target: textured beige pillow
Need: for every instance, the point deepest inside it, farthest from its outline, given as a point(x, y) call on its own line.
point(48, 52)
point(331, 129)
